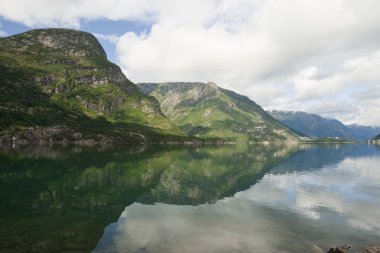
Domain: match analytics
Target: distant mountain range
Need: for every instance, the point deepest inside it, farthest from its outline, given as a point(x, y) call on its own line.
point(364, 132)
point(208, 111)
point(319, 127)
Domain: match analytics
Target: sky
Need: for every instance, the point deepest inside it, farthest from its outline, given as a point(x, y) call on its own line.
point(317, 56)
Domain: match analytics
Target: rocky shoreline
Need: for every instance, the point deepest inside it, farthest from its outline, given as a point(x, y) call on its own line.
point(345, 249)
point(53, 134)
point(61, 134)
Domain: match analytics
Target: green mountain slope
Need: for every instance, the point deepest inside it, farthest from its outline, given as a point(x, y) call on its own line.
point(208, 111)
point(60, 77)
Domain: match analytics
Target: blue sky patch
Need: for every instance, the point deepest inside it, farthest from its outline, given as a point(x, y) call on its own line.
point(100, 26)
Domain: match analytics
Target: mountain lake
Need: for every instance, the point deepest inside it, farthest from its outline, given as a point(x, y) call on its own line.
point(156, 198)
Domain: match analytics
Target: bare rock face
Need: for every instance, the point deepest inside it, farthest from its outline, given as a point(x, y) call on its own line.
point(42, 135)
point(185, 94)
point(345, 249)
point(208, 111)
point(58, 41)
point(54, 134)
point(336, 250)
point(375, 249)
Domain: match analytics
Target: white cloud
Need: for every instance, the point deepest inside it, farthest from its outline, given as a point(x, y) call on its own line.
point(69, 13)
point(108, 37)
point(307, 85)
point(294, 55)
point(348, 188)
point(312, 206)
point(291, 55)
point(350, 93)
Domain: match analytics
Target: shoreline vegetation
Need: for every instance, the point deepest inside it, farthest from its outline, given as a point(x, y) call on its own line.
point(65, 136)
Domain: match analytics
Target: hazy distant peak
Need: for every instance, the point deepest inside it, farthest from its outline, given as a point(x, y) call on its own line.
point(315, 125)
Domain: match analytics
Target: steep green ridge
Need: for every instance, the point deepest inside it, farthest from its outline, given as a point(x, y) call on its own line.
point(377, 137)
point(208, 111)
point(53, 77)
point(314, 125)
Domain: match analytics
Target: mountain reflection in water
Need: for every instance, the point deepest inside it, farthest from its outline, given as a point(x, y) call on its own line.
point(243, 198)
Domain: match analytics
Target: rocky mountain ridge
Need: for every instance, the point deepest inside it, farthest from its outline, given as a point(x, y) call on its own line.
point(208, 111)
point(61, 77)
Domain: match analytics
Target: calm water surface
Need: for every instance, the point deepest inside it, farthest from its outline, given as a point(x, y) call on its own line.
point(254, 198)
